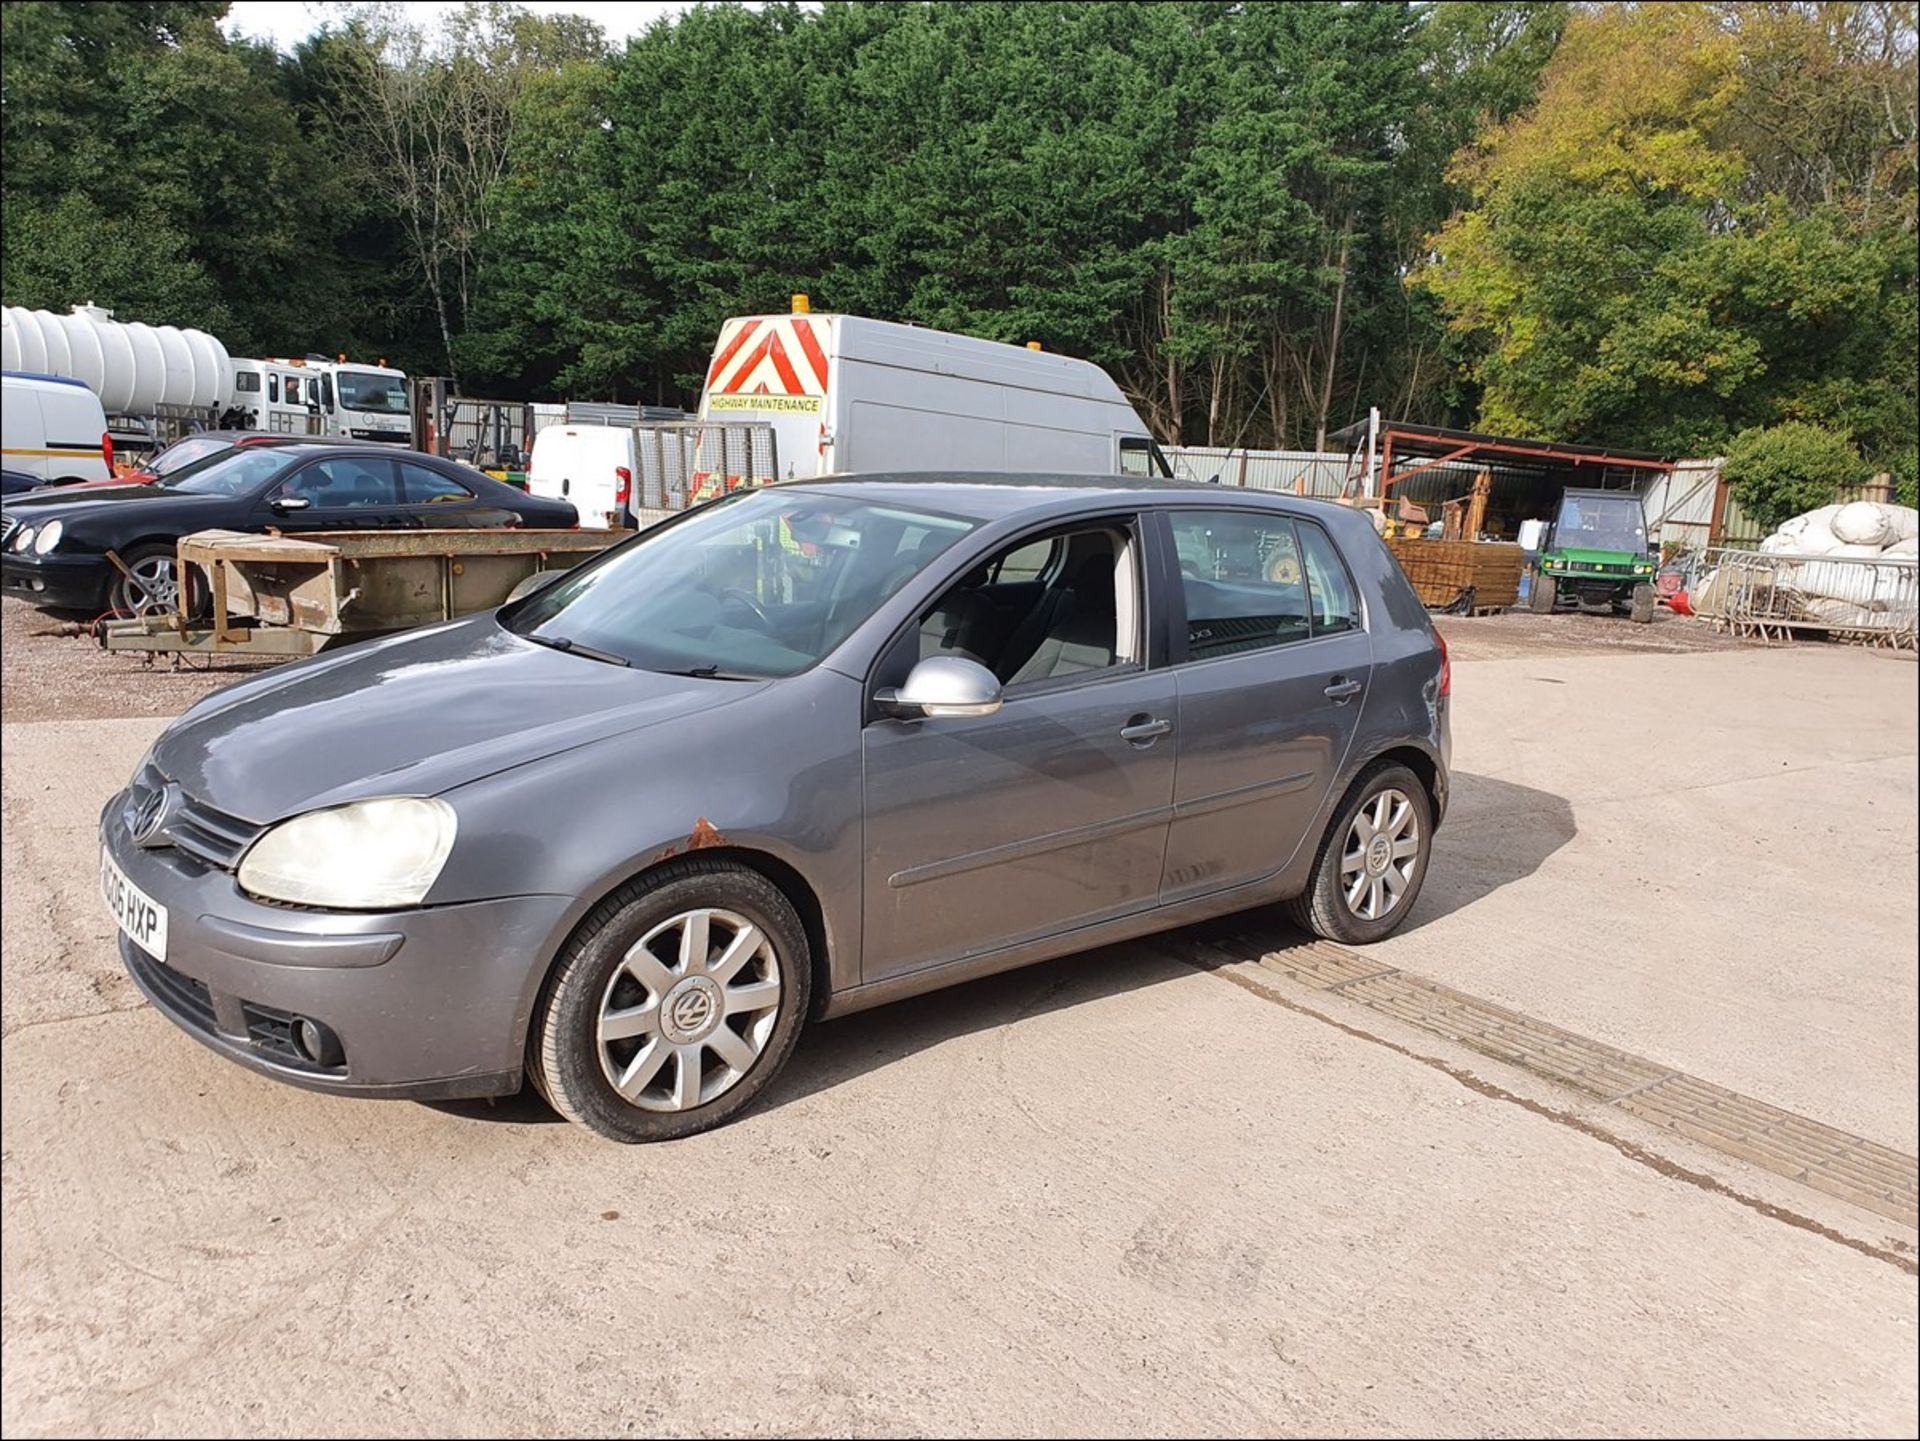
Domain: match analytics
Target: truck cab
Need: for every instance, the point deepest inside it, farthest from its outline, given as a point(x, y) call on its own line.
point(317, 396)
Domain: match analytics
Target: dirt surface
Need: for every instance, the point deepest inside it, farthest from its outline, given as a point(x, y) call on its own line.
point(1521, 632)
point(1119, 1193)
point(54, 670)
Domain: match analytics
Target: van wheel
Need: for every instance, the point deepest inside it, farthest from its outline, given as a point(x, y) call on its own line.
point(1372, 860)
point(1642, 611)
point(1540, 599)
point(152, 585)
point(675, 1004)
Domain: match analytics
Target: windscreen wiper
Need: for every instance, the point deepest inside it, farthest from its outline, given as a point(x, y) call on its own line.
point(573, 647)
point(711, 672)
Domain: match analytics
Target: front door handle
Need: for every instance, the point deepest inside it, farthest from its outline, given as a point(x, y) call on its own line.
point(1343, 690)
point(1144, 730)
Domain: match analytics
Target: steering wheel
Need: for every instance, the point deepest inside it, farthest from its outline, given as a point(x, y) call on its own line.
point(733, 592)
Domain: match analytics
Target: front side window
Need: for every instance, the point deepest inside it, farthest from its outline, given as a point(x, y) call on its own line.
point(1245, 585)
point(420, 485)
point(1064, 605)
point(761, 584)
point(347, 482)
point(379, 394)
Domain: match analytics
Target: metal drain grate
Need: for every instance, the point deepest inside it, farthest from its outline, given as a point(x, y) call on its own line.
point(1861, 1172)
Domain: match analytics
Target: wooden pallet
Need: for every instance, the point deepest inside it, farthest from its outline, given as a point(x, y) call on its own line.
point(1441, 570)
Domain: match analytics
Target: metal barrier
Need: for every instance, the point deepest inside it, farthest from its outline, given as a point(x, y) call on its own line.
point(685, 462)
point(1769, 595)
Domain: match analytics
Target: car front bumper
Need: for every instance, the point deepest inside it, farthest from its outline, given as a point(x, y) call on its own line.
point(69, 582)
point(429, 1003)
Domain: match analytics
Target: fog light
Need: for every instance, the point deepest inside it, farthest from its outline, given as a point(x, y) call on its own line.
point(318, 1044)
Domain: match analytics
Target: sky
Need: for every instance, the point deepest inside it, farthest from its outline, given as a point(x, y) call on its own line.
point(287, 22)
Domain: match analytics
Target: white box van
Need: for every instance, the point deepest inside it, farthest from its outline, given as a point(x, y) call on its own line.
point(590, 465)
point(53, 428)
point(846, 394)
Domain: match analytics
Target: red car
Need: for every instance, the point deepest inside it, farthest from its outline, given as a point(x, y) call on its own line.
point(195, 452)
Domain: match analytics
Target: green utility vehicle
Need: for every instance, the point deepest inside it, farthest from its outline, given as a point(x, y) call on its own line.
point(1595, 556)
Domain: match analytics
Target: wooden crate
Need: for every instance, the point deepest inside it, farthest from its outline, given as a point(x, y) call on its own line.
point(1441, 569)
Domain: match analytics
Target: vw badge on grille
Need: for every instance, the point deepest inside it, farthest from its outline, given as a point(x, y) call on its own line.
point(147, 817)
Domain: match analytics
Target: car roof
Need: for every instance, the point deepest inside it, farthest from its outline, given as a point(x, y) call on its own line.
point(986, 496)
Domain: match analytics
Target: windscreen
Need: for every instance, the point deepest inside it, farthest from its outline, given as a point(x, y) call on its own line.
point(380, 394)
point(1601, 522)
point(761, 584)
point(185, 452)
point(238, 473)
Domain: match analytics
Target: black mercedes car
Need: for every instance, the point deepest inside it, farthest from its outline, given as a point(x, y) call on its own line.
point(53, 545)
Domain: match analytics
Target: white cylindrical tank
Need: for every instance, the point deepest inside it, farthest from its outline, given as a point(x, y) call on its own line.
point(133, 368)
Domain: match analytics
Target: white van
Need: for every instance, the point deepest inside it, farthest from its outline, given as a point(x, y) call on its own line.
point(590, 466)
point(845, 394)
point(54, 428)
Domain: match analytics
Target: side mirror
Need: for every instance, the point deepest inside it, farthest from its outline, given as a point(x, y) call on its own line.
point(943, 685)
point(285, 503)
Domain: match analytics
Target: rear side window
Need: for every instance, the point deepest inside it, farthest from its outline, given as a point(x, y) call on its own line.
point(248, 381)
point(1244, 581)
point(420, 485)
point(1330, 593)
point(273, 389)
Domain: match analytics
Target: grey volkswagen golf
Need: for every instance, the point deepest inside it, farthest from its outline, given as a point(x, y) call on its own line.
point(795, 753)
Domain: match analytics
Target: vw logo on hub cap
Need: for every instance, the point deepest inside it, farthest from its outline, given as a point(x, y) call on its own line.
point(1379, 852)
point(691, 1011)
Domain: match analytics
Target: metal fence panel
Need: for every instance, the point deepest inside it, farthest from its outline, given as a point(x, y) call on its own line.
point(1770, 595)
point(683, 463)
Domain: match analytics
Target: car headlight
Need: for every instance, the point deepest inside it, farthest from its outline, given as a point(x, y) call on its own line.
point(365, 856)
point(48, 538)
point(24, 539)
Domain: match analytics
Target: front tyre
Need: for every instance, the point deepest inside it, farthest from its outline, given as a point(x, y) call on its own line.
point(1642, 611)
point(675, 1004)
point(1372, 859)
point(1542, 595)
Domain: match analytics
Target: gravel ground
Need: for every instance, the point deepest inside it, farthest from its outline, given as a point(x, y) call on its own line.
point(54, 670)
point(1516, 633)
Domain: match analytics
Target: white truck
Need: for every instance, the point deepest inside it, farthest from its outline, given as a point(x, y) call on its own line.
point(844, 394)
point(318, 396)
point(154, 381)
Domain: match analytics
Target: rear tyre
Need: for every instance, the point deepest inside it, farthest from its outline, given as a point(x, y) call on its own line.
point(675, 1004)
point(1540, 599)
point(1642, 612)
point(1372, 860)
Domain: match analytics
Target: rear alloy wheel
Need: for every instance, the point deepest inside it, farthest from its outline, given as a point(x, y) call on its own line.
point(1540, 598)
point(1642, 612)
point(675, 1005)
point(1372, 860)
point(151, 584)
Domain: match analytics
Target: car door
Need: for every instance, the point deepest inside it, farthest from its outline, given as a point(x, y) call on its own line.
point(1048, 814)
point(1272, 664)
point(343, 492)
point(436, 500)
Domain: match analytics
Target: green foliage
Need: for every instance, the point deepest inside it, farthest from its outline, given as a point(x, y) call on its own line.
point(1680, 241)
point(1780, 471)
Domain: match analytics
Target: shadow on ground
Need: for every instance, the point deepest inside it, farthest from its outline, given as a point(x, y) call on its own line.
point(1496, 833)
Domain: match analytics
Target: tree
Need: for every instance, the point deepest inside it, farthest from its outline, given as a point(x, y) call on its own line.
point(1778, 472)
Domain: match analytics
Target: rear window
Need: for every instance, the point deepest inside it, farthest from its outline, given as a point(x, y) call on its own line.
point(185, 452)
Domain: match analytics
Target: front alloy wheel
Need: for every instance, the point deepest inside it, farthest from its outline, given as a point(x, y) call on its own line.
point(151, 585)
point(675, 1003)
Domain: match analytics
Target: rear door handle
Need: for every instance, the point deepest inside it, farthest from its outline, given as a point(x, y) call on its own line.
point(1142, 729)
point(1343, 690)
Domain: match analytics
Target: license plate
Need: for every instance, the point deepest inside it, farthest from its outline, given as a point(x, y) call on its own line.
point(140, 917)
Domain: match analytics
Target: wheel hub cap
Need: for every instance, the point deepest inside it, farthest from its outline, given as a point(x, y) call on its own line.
point(691, 1012)
point(1379, 852)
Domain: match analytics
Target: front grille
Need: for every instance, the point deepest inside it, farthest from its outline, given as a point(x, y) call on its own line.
point(210, 836)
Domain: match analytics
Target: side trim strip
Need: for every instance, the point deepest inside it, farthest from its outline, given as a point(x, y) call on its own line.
point(1245, 795)
point(1036, 846)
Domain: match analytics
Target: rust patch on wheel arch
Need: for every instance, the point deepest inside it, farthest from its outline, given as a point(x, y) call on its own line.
point(705, 836)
